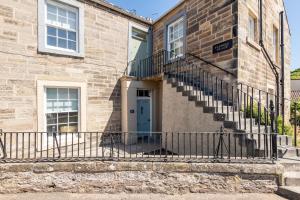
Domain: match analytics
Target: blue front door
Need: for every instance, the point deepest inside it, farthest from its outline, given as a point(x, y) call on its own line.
point(143, 115)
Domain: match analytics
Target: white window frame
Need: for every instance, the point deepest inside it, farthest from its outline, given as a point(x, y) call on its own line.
point(41, 99)
point(179, 20)
point(78, 102)
point(252, 31)
point(42, 27)
point(41, 112)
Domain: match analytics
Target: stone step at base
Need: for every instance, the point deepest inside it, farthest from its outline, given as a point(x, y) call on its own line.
point(291, 178)
point(291, 164)
point(292, 193)
point(288, 152)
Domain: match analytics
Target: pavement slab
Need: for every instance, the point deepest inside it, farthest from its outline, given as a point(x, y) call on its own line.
point(123, 196)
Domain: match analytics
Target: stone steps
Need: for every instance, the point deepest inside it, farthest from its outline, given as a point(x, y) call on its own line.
point(291, 178)
point(210, 105)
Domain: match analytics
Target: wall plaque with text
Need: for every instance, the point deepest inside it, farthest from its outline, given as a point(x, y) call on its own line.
point(222, 46)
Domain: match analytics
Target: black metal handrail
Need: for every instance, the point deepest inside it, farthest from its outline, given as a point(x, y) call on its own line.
point(138, 146)
point(211, 64)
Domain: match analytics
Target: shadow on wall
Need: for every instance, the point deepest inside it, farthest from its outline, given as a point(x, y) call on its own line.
point(114, 121)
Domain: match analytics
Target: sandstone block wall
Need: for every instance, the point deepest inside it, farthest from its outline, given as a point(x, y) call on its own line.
point(21, 65)
point(254, 69)
point(207, 23)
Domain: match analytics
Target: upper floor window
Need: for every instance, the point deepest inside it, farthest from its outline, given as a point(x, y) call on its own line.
point(175, 38)
point(252, 28)
point(61, 27)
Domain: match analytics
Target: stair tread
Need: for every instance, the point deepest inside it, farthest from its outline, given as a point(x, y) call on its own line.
point(292, 175)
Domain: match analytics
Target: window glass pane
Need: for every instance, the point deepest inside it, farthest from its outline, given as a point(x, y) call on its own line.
point(51, 17)
point(51, 9)
point(62, 12)
point(51, 93)
point(72, 45)
point(51, 31)
point(63, 118)
point(73, 127)
point(62, 43)
point(62, 93)
point(51, 128)
point(63, 128)
point(51, 118)
point(62, 20)
point(65, 20)
point(73, 117)
point(74, 105)
point(72, 35)
point(72, 24)
point(62, 33)
point(72, 16)
point(62, 109)
point(175, 38)
point(51, 106)
point(74, 94)
point(51, 41)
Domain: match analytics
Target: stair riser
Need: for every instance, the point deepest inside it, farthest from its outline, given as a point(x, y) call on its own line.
point(292, 181)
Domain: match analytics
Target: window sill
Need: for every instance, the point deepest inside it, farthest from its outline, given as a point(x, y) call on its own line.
point(60, 52)
point(253, 44)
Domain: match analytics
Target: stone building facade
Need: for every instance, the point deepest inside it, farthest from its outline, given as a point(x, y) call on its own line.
point(25, 68)
point(50, 66)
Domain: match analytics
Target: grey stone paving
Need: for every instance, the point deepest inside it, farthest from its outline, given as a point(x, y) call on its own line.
point(69, 196)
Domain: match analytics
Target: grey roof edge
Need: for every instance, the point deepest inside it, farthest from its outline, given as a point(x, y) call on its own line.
point(168, 11)
point(118, 9)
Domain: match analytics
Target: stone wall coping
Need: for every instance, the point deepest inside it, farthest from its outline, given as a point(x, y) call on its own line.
point(110, 166)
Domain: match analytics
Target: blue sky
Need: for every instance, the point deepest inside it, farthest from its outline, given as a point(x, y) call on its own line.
point(155, 8)
point(293, 12)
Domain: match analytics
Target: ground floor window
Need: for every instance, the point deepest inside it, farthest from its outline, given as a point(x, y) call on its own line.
point(62, 109)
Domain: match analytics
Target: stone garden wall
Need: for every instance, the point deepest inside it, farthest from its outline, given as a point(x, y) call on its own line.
point(131, 177)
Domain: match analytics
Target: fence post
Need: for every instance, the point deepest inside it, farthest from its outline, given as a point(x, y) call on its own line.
point(272, 115)
point(295, 124)
point(2, 146)
point(273, 134)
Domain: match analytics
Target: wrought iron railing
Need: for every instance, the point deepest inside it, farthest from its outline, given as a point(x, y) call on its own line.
point(215, 87)
point(119, 146)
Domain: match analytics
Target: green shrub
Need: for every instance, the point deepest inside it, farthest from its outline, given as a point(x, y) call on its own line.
point(288, 129)
point(255, 114)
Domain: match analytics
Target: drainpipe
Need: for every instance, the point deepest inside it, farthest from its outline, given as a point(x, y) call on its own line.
point(272, 65)
point(282, 66)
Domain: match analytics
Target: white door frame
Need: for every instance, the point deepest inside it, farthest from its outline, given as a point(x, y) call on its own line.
point(142, 28)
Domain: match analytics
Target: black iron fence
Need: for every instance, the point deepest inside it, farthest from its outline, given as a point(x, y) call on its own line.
point(120, 146)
